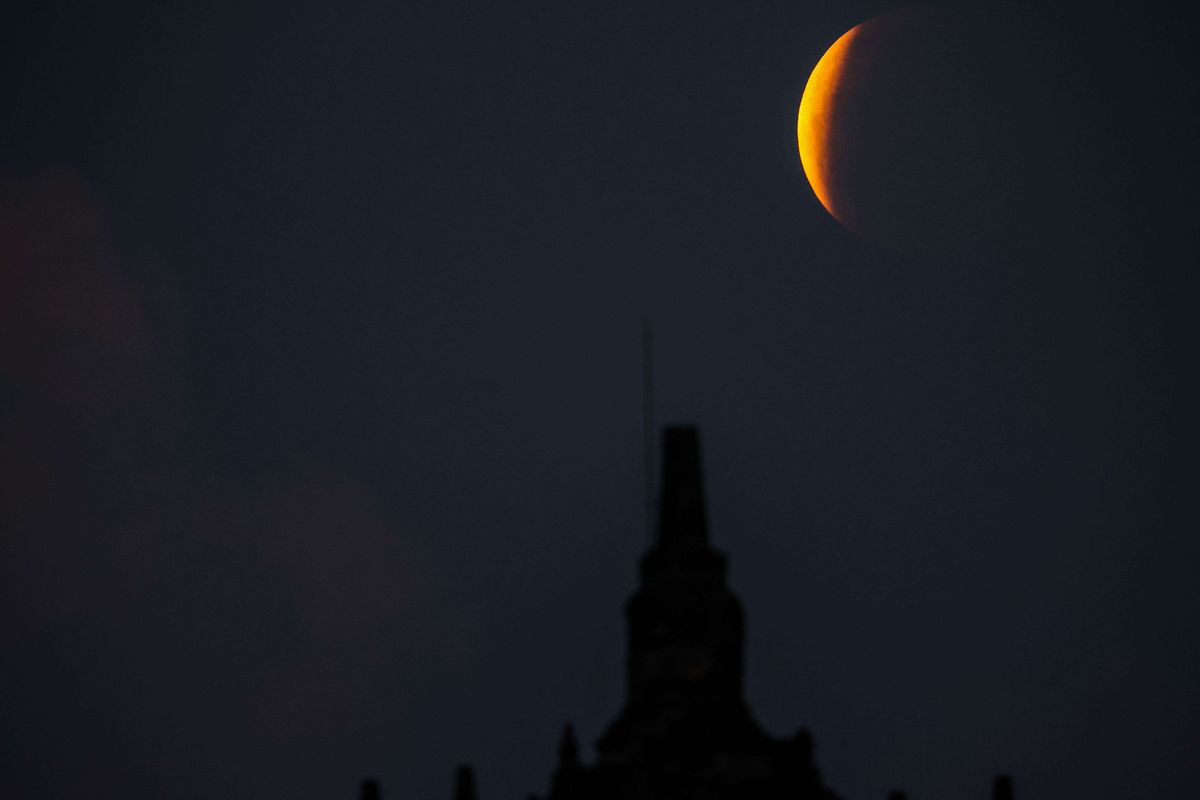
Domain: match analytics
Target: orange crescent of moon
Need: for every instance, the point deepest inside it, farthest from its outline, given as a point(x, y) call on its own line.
point(815, 123)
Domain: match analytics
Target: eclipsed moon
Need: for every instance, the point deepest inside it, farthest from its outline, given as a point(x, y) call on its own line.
point(815, 124)
point(903, 130)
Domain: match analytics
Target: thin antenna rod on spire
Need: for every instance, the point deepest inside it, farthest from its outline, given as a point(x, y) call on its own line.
point(648, 423)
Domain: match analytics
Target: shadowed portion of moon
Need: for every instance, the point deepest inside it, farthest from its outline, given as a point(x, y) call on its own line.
point(915, 129)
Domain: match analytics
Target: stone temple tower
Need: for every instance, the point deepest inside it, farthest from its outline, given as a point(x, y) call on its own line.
point(685, 730)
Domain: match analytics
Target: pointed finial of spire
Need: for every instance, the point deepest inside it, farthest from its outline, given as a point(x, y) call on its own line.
point(682, 518)
point(1002, 788)
point(370, 789)
point(568, 749)
point(464, 783)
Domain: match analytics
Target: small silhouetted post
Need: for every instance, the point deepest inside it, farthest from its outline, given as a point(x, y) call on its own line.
point(1002, 788)
point(370, 789)
point(568, 749)
point(896, 794)
point(648, 423)
point(464, 783)
point(803, 740)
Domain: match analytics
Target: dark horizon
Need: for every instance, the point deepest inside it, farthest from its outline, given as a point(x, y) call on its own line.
point(321, 435)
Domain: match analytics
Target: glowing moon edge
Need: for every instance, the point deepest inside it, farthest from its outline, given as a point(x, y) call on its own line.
point(815, 122)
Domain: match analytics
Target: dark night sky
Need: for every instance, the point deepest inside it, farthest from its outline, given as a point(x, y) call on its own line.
point(320, 434)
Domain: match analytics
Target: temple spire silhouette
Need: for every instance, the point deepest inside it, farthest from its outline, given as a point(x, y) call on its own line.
point(684, 625)
point(685, 729)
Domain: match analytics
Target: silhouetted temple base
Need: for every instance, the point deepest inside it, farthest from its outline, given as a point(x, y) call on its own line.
point(686, 731)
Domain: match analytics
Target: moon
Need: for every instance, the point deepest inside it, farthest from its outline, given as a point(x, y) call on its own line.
point(906, 130)
point(815, 123)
